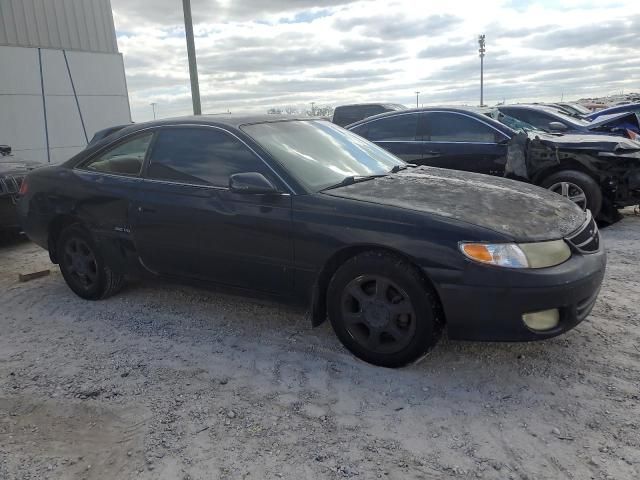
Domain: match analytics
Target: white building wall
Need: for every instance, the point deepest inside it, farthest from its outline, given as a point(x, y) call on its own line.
point(39, 33)
point(100, 89)
point(60, 24)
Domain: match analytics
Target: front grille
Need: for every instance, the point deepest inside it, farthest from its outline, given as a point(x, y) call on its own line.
point(10, 185)
point(587, 238)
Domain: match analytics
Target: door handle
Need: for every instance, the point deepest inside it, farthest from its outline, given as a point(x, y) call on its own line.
point(146, 210)
point(432, 152)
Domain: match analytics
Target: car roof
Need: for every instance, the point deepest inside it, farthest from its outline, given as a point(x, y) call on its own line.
point(480, 111)
point(371, 104)
point(228, 120)
point(616, 109)
point(224, 121)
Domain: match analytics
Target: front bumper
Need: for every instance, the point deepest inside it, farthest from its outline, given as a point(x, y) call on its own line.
point(487, 303)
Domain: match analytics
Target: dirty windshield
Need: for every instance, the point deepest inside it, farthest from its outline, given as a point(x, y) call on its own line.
point(319, 154)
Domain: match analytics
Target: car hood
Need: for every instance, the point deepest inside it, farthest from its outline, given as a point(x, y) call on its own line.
point(593, 142)
point(626, 120)
point(518, 210)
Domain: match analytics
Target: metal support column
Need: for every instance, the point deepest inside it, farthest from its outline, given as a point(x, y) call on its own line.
point(191, 52)
point(44, 106)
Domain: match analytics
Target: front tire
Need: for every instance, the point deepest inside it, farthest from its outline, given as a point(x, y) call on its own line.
point(577, 187)
point(382, 311)
point(84, 267)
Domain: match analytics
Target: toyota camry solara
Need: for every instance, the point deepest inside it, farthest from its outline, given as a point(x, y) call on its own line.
point(308, 212)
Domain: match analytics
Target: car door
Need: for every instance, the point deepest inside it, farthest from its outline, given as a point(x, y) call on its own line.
point(189, 223)
point(396, 134)
point(110, 180)
point(461, 142)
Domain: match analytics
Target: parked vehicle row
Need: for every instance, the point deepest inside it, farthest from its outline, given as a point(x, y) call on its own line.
point(390, 252)
point(598, 172)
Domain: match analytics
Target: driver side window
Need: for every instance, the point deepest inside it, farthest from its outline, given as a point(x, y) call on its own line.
point(201, 156)
point(125, 159)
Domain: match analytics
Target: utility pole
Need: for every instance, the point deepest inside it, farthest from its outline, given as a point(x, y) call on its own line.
point(191, 52)
point(417, 95)
point(153, 106)
point(481, 51)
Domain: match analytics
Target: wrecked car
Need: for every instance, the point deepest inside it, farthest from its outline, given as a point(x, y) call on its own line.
point(618, 109)
point(307, 212)
point(12, 171)
point(553, 120)
point(598, 172)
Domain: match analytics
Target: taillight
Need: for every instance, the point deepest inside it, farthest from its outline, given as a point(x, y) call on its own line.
point(24, 188)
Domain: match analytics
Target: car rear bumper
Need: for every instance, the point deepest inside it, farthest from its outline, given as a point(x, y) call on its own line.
point(8, 214)
point(493, 310)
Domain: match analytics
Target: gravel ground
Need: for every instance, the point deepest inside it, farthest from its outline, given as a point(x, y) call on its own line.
point(173, 382)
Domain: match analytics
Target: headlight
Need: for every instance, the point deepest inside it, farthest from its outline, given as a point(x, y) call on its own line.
point(518, 255)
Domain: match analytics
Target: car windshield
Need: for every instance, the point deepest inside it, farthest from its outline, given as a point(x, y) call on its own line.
point(319, 154)
point(513, 123)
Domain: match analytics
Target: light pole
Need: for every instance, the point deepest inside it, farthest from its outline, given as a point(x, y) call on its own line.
point(417, 95)
point(153, 106)
point(313, 111)
point(481, 51)
point(191, 53)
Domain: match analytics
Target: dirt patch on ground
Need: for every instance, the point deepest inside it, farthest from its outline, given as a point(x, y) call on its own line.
point(165, 382)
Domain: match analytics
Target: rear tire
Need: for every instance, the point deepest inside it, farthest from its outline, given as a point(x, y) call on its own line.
point(578, 187)
point(382, 311)
point(84, 267)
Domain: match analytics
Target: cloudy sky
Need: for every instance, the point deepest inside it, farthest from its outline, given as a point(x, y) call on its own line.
point(257, 54)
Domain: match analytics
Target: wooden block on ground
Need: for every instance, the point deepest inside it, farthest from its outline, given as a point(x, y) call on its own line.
point(25, 277)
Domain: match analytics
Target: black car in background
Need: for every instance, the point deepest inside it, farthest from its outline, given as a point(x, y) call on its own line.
point(454, 138)
point(12, 171)
point(598, 172)
point(553, 120)
point(308, 212)
point(346, 114)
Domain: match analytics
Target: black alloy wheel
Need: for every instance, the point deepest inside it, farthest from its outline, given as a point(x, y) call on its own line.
point(83, 266)
point(80, 262)
point(383, 310)
point(378, 314)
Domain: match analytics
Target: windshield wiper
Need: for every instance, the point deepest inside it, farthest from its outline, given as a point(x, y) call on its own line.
point(398, 168)
point(350, 180)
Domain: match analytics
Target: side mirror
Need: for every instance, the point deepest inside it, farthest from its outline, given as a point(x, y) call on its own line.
point(557, 127)
point(251, 182)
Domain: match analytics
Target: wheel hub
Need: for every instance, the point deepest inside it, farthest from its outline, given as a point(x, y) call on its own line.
point(572, 192)
point(376, 314)
point(79, 265)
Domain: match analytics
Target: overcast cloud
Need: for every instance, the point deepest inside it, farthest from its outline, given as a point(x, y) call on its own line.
point(257, 54)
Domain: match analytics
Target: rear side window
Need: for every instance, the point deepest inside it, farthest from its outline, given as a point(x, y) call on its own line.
point(124, 159)
point(397, 128)
point(200, 156)
point(452, 127)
